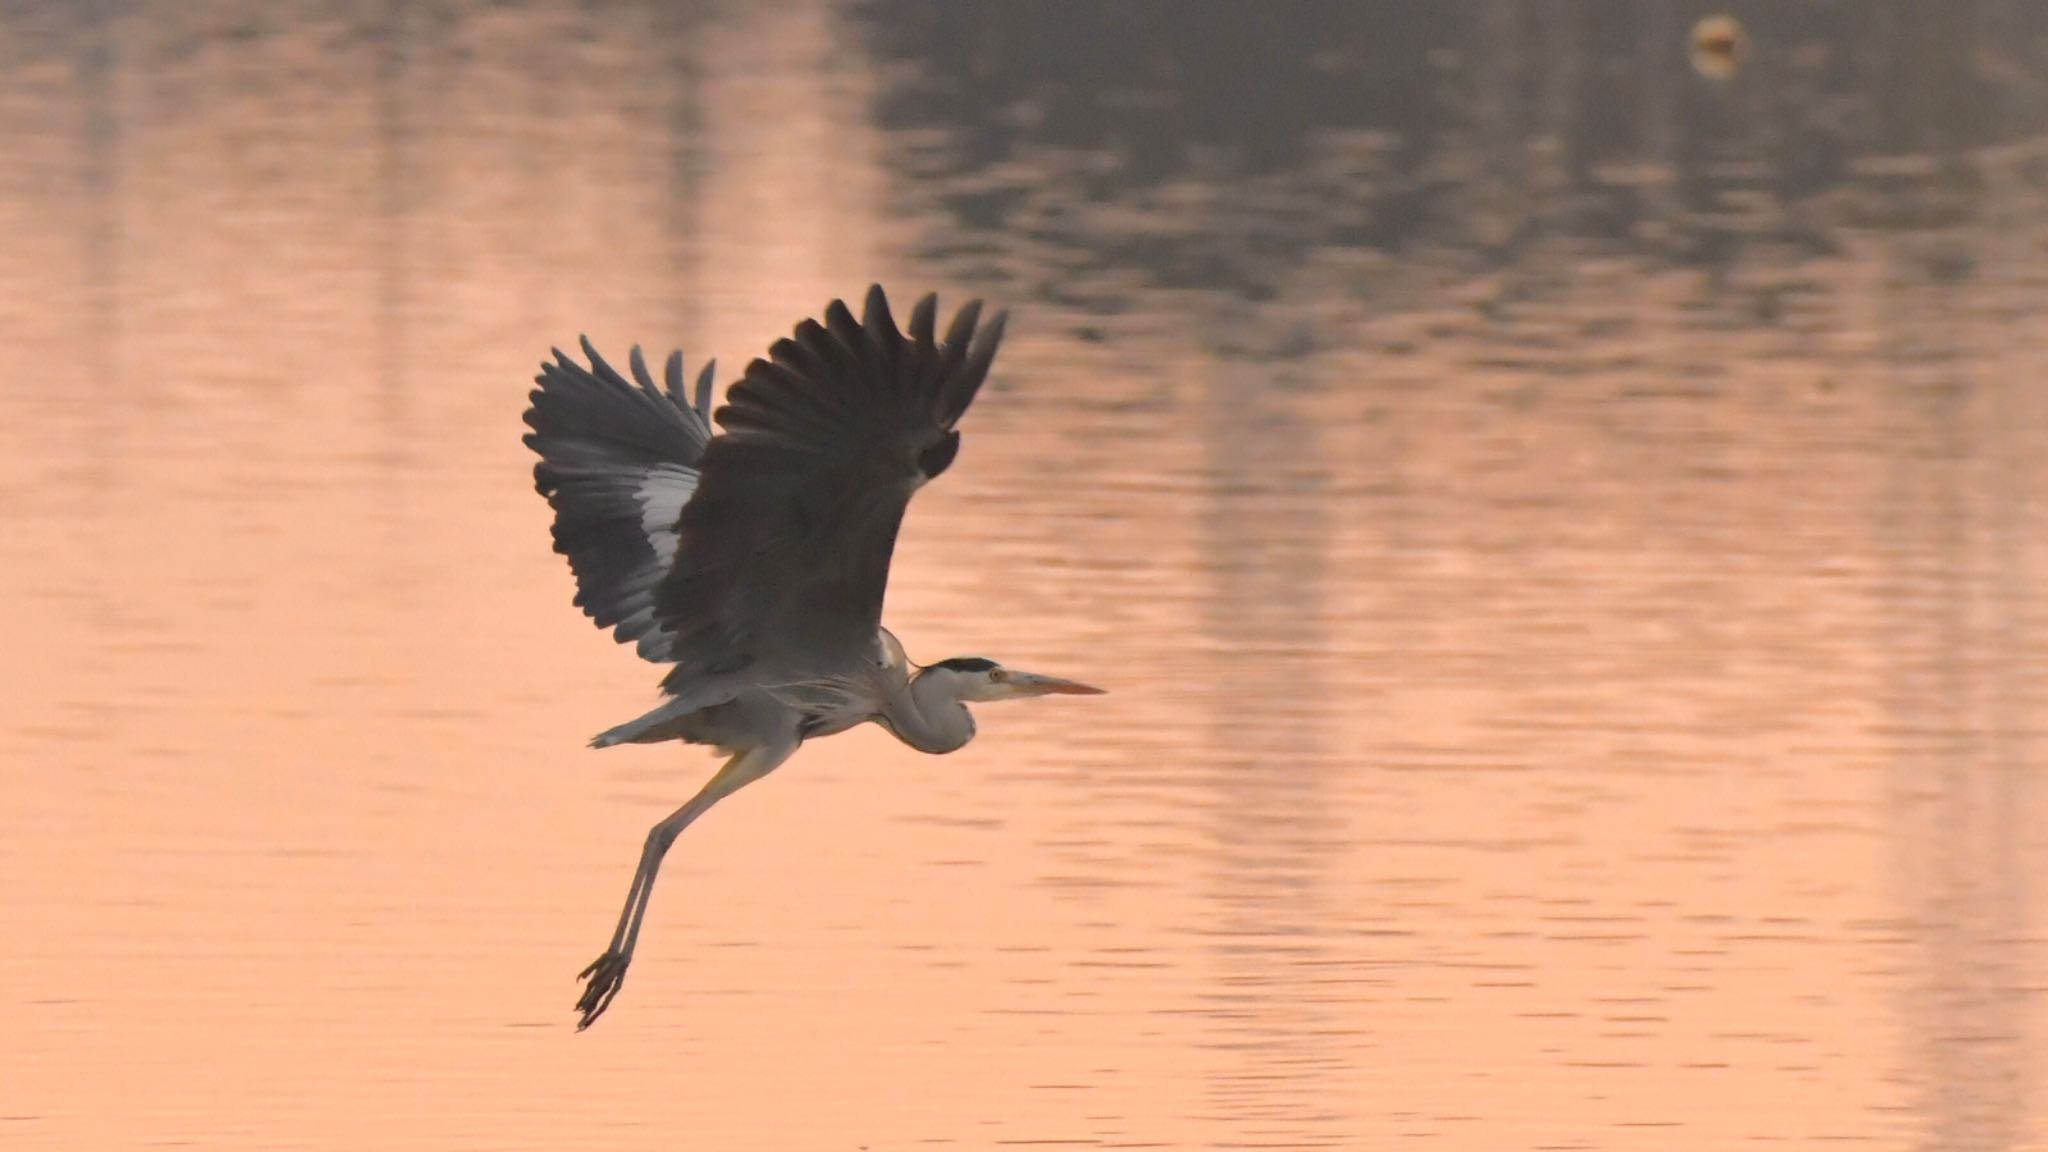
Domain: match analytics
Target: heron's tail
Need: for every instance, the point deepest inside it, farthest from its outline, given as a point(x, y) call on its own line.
point(618, 460)
point(668, 720)
point(649, 729)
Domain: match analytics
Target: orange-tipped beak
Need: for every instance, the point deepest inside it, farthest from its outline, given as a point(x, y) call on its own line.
point(1032, 684)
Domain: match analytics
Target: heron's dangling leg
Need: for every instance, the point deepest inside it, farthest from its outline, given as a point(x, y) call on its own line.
point(607, 972)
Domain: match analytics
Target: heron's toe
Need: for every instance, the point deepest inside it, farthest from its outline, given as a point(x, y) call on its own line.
point(601, 983)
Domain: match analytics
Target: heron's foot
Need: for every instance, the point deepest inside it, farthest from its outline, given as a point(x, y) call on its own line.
point(600, 983)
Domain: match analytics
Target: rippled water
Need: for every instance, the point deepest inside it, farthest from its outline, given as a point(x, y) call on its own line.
point(1565, 537)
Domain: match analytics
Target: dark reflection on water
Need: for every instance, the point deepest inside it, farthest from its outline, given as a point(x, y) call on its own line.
point(1265, 531)
point(1565, 534)
point(1216, 147)
point(1966, 778)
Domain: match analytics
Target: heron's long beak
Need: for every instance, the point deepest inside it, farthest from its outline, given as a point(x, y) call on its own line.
point(1032, 684)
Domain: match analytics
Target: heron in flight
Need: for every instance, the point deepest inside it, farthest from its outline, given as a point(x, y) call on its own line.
point(754, 562)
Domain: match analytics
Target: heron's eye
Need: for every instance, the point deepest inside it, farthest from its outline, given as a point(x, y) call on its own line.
point(995, 675)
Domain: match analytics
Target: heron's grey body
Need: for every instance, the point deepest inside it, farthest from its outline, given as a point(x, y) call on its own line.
point(755, 561)
point(825, 705)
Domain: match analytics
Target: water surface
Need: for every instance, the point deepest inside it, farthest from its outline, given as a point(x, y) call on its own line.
point(1565, 537)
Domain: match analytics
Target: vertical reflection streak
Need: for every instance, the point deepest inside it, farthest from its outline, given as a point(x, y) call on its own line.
point(1965, 821)
point(1266, 528)
point(99, 72)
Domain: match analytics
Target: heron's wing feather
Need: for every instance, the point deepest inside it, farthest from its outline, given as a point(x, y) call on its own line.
point(618, 460)
point(783, 553)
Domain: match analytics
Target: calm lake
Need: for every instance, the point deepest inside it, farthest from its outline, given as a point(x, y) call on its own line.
point(1565, 534)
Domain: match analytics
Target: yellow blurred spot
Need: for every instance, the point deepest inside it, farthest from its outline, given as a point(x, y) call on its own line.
point(1718, 46)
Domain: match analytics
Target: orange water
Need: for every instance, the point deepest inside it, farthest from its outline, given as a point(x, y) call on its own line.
point(1572, 687)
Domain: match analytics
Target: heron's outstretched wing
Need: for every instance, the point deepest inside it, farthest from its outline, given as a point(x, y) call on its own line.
point(783, 553)
point(617, 463)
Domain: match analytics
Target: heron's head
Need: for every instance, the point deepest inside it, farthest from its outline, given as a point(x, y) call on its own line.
point(974, 679)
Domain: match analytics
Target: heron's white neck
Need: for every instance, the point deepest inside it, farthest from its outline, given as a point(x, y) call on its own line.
point(930, 717)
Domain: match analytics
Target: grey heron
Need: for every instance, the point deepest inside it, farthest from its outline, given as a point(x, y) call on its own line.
point(754, 561)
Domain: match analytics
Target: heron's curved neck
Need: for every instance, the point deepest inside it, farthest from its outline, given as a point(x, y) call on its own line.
point(930, 716)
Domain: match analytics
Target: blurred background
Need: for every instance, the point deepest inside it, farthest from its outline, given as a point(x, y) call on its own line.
point(1556, 495)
